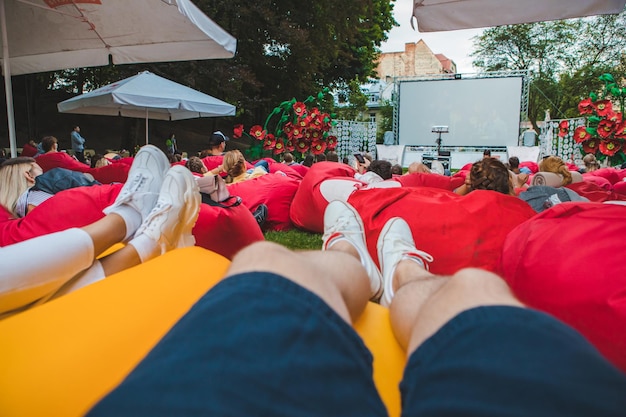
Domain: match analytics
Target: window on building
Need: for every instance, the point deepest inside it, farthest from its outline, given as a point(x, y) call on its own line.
point(372, 117)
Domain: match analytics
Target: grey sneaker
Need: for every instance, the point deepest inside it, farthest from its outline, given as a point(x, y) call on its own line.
point(342, 222)
point(176, 211)
point(145, 178)
point(395, 244)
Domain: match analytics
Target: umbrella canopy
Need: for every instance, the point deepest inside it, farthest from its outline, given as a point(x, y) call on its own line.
point(442, 15)
point(48, 35)
point(148, 96)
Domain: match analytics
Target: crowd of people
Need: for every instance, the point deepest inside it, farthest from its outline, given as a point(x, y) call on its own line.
point(510, 348)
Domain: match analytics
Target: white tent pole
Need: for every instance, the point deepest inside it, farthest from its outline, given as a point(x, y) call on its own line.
point(146, 125)
point(8, 87)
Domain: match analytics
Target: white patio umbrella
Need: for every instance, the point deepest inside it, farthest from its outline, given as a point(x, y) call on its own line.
point(442, 15)
point(148, 96)
point(48, 35)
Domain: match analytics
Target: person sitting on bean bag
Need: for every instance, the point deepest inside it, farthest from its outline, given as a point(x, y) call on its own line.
point(52, 158)
point(154, 212)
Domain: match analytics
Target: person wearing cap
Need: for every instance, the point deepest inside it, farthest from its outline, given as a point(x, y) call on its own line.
point(217, 143)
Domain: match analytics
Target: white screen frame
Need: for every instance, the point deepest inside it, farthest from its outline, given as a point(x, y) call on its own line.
point(480, 112)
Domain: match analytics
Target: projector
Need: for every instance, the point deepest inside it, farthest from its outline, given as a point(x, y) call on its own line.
point(440, 129)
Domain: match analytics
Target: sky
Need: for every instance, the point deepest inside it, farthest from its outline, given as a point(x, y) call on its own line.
point(456, 45)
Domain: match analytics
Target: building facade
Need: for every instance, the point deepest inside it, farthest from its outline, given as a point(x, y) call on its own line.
point(416, 60)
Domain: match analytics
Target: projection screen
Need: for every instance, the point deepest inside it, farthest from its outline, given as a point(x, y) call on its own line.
point(479, 112)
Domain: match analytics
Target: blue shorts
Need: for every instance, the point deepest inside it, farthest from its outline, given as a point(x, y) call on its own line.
point(258, 344)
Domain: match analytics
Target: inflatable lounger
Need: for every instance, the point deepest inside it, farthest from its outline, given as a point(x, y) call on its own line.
point(61, 358)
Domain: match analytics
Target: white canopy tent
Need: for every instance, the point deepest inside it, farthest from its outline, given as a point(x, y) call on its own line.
point(443, 15)
point(48, 35)
point(148, 96)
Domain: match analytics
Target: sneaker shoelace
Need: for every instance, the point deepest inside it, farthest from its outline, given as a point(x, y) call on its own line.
point(339, 229)
point(136, 183)
point(422, 257)
point(159, 209)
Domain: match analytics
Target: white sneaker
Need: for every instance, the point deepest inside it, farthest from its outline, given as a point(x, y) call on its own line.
point(176, 211)
point(145, 178)
point(395, 244)
point(342, 222)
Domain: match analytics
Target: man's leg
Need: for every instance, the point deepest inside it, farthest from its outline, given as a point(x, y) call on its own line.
point(475, 350)
point(272, 338)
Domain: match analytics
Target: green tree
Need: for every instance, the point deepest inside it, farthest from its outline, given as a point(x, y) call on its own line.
point(288, 49)
point(564, 58)
point(285, 50)
point(356, 99)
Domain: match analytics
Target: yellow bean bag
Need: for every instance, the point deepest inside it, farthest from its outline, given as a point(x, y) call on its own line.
point(60, 358)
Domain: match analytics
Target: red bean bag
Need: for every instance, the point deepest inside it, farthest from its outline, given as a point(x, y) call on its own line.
point(307, 208)
point(612, 175)
point(620, 188)
point(284, 168)
point(116, 172)
point(212, 162)
point(594, 192)
point(458, 231)
point(533, 166)
point(226, 230)
point(301, 169)
point(29, 150)
point(601, 182)
point(76, 207)
point(276, 191)
point(420, 179)
point(568, 262)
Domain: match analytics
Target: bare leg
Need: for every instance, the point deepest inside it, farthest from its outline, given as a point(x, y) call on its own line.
point(424, 302)
point(106, 232)
point(336, 276)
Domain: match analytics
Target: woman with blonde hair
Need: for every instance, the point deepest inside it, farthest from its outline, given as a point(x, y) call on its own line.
point(556, 165)
point(235, 166)
point(17, 177)
point(591, 163)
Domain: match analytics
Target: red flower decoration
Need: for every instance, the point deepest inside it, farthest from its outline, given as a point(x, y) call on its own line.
point(302, 146)
point(279, 147)
point(331, 142)
point(299, 108)
point(237, 131)
point(615, 117)
point(610, 147)
point(258, 133)
point(269, 142)
point(304, 122)
point(585, 106)
point(581, 134)
point(603, 107)
point(297, 132)
point(314, 113)
point(590, 146)
point(605, 128)
point(288, 129)
point(315, 135)
point(318, 147)
point(620, 130)
point(563, 128)
point(289, 145)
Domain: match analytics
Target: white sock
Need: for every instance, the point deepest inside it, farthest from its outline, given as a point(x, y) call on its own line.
point(146, 248)
point(132, 219)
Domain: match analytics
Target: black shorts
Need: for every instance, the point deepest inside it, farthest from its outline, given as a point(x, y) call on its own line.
point(259, 345)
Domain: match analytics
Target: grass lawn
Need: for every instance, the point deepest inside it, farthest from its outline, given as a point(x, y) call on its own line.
point(296, 239)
